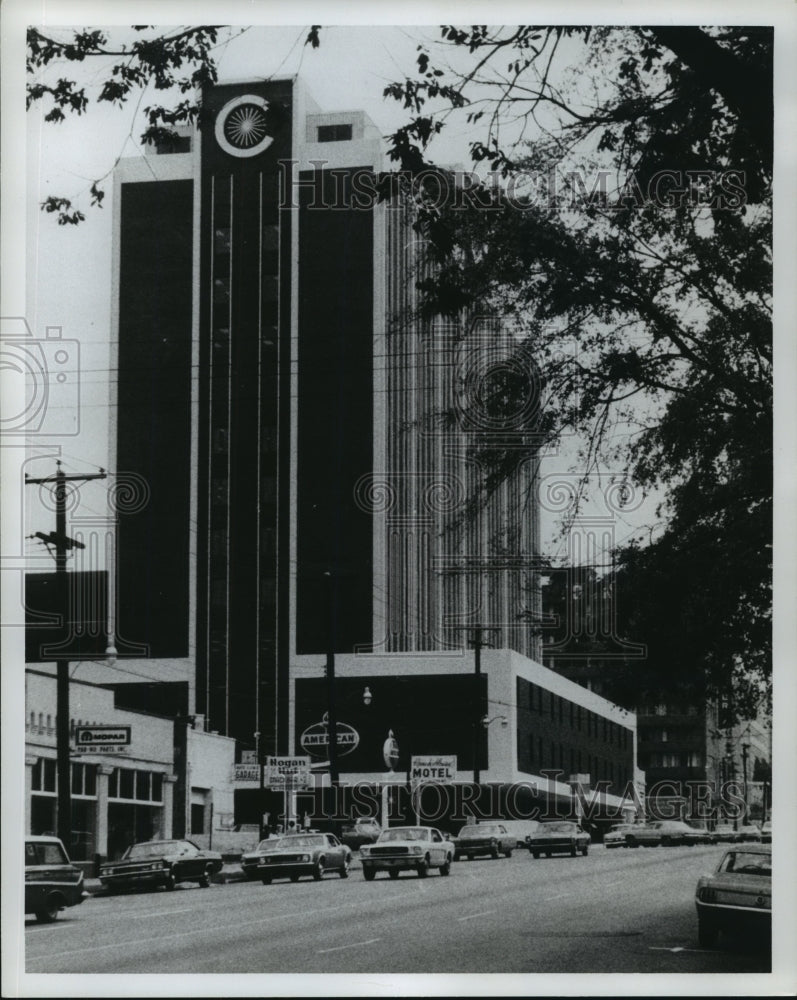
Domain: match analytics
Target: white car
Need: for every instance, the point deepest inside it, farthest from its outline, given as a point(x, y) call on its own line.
point(616, 836)
point(402, 848)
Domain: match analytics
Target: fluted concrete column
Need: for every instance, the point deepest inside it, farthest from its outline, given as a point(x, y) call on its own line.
point(30, 763)
point(104, 771)
point(168, 805)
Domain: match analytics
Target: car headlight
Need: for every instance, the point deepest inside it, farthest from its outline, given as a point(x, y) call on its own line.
point(707, 895)
point(364, 850)
point(417, 850)
point(305, 857)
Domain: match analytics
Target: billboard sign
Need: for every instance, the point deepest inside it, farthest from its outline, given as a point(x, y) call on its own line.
point(288, 772)
point(315, 739)
point(102, 739)
point(440, 769)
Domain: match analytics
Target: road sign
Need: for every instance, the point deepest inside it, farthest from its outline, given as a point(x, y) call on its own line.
point(288, 772)
point(102, 739)
point(440, 769)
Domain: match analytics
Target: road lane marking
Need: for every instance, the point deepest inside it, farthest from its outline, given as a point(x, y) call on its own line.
point(678, 948)
point(343, 947)
point(549, 898)
point(160, 913)
point(210, 929)
point(472, 916)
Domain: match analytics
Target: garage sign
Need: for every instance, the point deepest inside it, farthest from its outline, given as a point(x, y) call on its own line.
point(102, 739)
point(441, 770)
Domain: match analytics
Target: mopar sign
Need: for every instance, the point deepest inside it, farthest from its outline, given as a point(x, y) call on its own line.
point(315, 739)
point(101, 739)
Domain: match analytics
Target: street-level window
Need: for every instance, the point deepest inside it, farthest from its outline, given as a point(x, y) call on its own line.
point(694, 759)
point(43, 778)
point(84, 779)
point(135, 785)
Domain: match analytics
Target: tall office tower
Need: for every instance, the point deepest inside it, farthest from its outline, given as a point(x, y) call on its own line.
point(283, 404)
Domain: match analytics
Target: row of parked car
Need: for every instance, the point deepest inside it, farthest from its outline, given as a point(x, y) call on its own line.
point(668, 832)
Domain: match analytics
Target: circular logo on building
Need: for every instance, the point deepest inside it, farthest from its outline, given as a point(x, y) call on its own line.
point(242, 126)
point(315, 739)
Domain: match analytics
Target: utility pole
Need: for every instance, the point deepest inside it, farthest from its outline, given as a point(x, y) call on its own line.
point(745, 750)
point(332, 723)
point(478, 707)
point(61, 543)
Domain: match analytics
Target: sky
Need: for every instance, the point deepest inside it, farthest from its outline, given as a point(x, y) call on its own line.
point(69, 268)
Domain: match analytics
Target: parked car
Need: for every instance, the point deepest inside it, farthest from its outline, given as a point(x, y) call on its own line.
point(476, 839)
point(559, 837)
point(52, 882)
point(749, 832)
point(616, 836)
point(737, 896)
point(364, 830)
point(521, 829)
point(295, 855)
point(154, 863)
point(766, 832)
point(726, 832)
point(667, 833)
point(402, 848)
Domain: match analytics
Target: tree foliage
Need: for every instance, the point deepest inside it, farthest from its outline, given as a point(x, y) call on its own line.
point(627, 230)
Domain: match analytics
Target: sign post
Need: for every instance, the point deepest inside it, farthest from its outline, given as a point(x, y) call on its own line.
point(440, 769)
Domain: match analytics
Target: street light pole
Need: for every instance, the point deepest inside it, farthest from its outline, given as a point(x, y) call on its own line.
point(332, 725)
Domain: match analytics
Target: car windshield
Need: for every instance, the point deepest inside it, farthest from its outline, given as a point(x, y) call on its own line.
point(747, 863)
point(44, 853)
point(154, 849)
point(292, 843)
point(404, 833)
point(559, 828)
point(482, 830)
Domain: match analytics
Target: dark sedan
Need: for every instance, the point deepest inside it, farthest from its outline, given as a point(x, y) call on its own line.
point(476, 839)
point(560, 837)
point(154, 863)
point(296, 855)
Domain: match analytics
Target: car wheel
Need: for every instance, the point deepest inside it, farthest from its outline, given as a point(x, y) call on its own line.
point(49, 911)
point(508, 852)
point(294, 877)
point(265, 879)
point(423, 867)
point(369, 874)
point(631, 842)
point(707, 934)
point(204, 881)
point(457, 856)
point(445, 869)
point(585, 850)
point(392, 872)
point(171, 882)
point(666, 842)
point(318, 870)
point(344, 872)
point(494, 852)
point(535, 855)
point(573, 851)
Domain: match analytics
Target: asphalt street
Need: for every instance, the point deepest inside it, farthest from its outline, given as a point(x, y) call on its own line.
point(612, 911)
